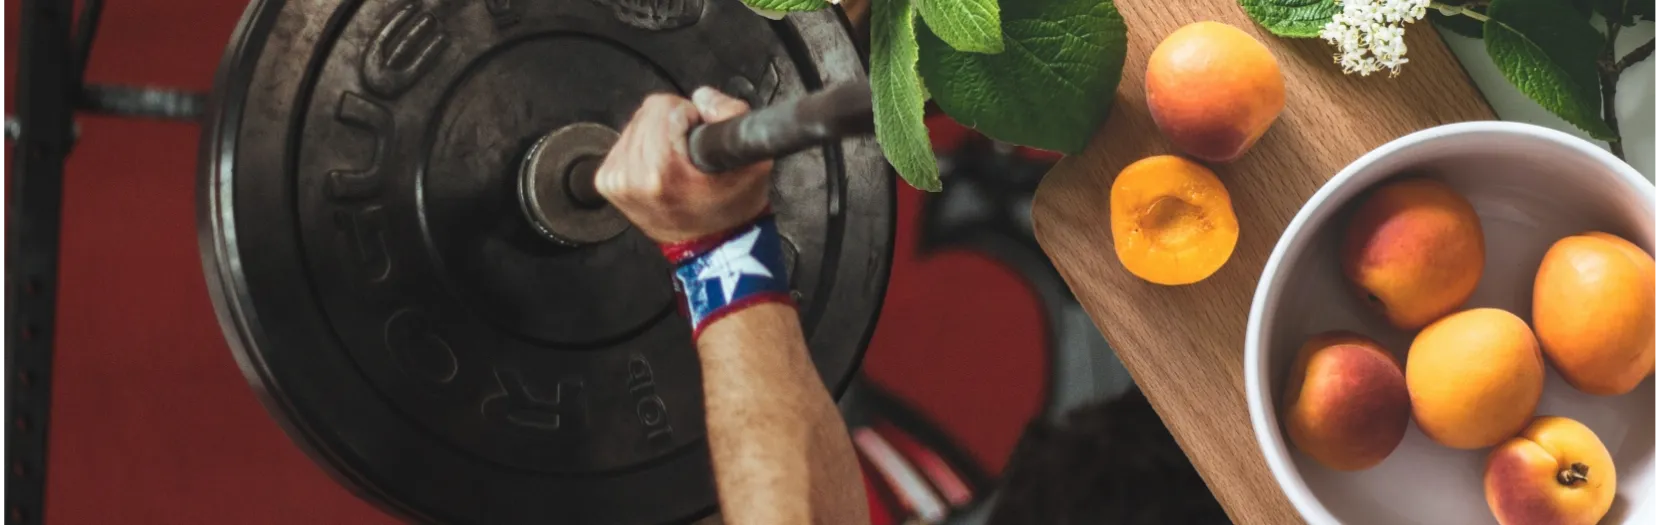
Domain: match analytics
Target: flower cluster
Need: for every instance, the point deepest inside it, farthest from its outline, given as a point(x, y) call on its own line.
point(1369, 34)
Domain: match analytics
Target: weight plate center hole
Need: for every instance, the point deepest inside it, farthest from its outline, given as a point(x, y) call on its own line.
point(558, 189)
point(581, 182)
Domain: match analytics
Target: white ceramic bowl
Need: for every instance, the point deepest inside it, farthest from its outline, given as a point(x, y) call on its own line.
point(1531, 186)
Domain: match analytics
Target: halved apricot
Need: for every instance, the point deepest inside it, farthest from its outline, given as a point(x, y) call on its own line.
point(1172, 220)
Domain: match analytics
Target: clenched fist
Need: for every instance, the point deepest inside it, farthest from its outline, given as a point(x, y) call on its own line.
point(649, 178)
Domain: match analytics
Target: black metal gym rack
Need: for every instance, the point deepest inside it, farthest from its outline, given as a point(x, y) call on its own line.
point(50, 87)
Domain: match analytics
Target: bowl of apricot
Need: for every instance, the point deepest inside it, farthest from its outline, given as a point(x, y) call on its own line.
point(1459, 327)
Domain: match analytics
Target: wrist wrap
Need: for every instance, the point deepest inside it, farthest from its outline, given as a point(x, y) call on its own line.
point(726, 272)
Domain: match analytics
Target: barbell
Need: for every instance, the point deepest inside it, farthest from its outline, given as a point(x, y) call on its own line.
point(405, 253)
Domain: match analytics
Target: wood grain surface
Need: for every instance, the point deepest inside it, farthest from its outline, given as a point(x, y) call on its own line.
point(1184, 344)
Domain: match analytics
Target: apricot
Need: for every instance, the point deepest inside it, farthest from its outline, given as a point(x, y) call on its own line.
point(1474, 378)
point(1555, 472)
point(1414, 249)
point(1213, 90)
point(1172, 220)
point(1595, 312)
point(1346, 403)
point(1646, 265)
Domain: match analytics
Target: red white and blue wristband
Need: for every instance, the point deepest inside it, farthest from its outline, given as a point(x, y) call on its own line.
point(721, 274)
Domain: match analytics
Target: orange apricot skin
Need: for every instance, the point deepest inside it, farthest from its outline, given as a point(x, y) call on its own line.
point(1474, 378)
point(1213, 90)
point(1646, 265)
point(1414, 249)
point(1521, 476)
point(1346, 403)
point(1595, 312)
point(1172, 220)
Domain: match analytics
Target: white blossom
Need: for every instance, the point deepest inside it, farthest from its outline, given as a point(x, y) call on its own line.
point(1369, 34)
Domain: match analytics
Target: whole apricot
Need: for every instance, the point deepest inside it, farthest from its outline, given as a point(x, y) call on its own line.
point(1555, 472)
point(1595, 312)
point(1172, 220)
point(1346, 403)
point(1213, 90)
point(1474, 378)
point(1413, 249)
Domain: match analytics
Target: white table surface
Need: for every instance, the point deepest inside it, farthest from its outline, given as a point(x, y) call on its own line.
point(1635, 95)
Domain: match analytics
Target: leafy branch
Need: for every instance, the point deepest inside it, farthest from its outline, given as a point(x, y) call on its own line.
point(1609, 75)
point(1635, 56)
point(1037, 73)
point(1610, 70)
point(1548, 49)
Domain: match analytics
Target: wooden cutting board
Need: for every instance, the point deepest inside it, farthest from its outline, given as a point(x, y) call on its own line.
point(1183, 345)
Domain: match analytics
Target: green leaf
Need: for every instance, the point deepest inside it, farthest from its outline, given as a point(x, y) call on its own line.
point(1611, 9)
point(967, 25)
point(1640, 10)
point(899, 105)
point(1625, 12)
point(1473, 28)
point(1292, 18)
point(787, 5)
point(1609, 6)
point(1460, 24)
point(1053, 85)
point(1550, 55)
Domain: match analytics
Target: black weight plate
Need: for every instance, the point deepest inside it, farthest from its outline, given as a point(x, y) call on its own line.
point(385, 292)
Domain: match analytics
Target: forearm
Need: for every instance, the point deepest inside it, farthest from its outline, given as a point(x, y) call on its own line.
point(781, 453)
